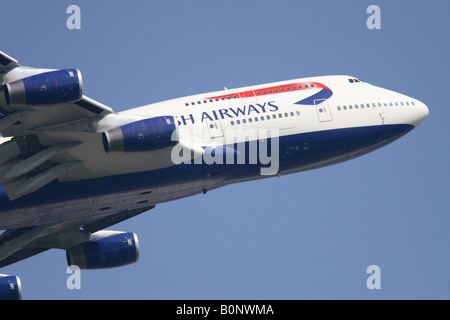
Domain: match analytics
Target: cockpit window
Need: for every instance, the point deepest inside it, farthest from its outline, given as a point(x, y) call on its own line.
point(354, 80)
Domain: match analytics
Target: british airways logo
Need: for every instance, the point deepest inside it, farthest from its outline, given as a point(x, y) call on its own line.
point(257, 108)
point(323, 94)
point(229, 113)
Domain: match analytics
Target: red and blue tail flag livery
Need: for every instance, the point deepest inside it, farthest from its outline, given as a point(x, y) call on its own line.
point(70, 167)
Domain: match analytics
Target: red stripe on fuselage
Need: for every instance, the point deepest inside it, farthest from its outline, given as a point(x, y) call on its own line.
point(271, 90)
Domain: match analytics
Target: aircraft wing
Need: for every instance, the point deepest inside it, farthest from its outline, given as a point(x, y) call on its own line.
point(22, 243)
point(42, 135)
point(51, 131)
point(7, 63)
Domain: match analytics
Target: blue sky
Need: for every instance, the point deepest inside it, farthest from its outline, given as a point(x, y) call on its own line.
point(309, 235)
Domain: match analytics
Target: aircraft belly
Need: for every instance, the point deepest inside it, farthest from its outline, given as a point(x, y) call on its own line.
point(32, 213)
point(86, 198)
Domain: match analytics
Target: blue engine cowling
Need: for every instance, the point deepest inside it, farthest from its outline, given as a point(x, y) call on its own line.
point(60, 86)
point(10, 288)
point(103, 253)
point(143, 135)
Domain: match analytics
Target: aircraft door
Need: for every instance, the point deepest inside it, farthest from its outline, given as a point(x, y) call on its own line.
point(246, 94)
point(323, 110)
point(214, 128)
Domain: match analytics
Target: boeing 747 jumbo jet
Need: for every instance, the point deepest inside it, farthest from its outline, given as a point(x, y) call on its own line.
point(71, 167)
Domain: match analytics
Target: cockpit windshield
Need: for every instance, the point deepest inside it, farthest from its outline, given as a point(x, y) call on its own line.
point(354, 80)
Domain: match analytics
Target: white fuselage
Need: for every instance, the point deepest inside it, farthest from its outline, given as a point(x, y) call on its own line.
point(315, 121)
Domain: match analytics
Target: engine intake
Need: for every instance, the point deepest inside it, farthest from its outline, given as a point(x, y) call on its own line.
point(60, 86)
point(107, 252)
point(10, 287)
point(143, 135)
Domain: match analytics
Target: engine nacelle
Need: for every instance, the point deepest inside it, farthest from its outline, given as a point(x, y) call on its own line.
point(52, 87)
point(107, 252)
point(10, 287)
point(143, 135)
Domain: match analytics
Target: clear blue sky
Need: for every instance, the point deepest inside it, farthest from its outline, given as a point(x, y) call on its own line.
point(304, 236)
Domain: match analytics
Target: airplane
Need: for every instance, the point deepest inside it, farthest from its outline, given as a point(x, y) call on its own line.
point(70, 166)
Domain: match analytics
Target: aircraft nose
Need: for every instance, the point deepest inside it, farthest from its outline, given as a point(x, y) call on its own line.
point(421, 112)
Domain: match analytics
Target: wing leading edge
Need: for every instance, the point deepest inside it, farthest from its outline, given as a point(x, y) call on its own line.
point(7, 63)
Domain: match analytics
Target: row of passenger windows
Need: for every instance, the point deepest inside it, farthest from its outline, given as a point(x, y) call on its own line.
point(284, 88)
point(267, 117)
point(256, 92)
point(379, 104)
point(204, 101)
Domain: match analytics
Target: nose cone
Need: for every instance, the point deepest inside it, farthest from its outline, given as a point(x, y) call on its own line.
point(421, 112)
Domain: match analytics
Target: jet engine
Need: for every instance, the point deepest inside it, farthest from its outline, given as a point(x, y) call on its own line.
point(143, 135)
point(10, 287)
point(53, 87)
point(105, 252)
